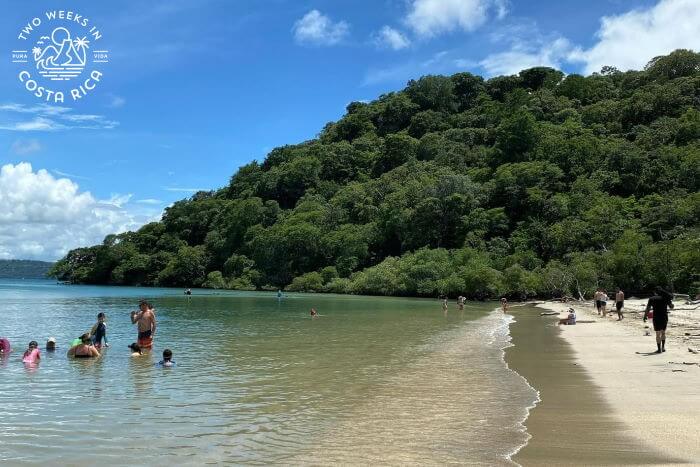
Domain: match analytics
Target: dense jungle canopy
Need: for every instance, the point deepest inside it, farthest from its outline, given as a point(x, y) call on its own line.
point(536, 184)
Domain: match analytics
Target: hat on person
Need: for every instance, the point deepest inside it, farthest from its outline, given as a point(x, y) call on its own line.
point(52, 339)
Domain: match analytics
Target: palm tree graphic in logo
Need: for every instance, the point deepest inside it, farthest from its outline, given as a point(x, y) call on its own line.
point(63, 58)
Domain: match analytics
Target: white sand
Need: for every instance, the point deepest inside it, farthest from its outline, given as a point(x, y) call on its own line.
point(656, 396)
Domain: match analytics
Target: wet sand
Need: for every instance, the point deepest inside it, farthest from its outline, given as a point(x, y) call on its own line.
point(573, 424)
point(655, 396)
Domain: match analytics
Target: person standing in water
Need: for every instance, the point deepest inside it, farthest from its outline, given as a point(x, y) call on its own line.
point(145, 321)
point(85, 349)
point(313, 313)
point(167, 359)
point(444, 305)
point(99, 332)
point(660, 303)
point(619, 303)
point(32, 354)
point(504, 304)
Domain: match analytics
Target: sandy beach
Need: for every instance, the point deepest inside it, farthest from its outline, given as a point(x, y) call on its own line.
point(654, 397)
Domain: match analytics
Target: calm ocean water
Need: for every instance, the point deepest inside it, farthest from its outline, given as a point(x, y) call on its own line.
point(374, 380)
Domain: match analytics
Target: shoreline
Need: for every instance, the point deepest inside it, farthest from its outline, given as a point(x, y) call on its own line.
point(651, 401)
point(522, 424)
point(571, 424)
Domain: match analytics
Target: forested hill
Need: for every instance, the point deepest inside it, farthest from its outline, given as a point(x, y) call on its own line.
point(23, 269)
point(532, 184)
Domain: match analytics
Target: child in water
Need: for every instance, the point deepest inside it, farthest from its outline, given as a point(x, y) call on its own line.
point(5, 347)
point(167, 359)
point(314, 313)
point(99, 332)
point(32, 354)
point(51, 344)
point(135, 350)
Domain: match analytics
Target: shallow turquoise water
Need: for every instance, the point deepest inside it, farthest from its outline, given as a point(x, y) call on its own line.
point(373, 380)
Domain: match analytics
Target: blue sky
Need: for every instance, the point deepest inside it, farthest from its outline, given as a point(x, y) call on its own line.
point(196, 88)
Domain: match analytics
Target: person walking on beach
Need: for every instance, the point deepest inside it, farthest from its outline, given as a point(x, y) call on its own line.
point(601, 299)
point(660, 303)
point(619, 303)
point(145, 321)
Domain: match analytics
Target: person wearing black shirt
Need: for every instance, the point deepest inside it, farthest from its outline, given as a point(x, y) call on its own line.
point(660, 303)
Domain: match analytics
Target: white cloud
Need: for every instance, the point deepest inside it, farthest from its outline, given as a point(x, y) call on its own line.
point(527, 54)
point(149, 201)
point(13, 117)
point(429, 18)
point(42, 217)
point(116, 102)
point(65, 174)
point(318, 29)
point(630, 40)
point(117, 200)
point(391, 38)
point(23, 147)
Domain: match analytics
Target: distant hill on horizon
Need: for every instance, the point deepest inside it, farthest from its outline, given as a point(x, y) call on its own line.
point(23, 269)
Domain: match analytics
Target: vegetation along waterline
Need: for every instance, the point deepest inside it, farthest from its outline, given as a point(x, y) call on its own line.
point(535, 184)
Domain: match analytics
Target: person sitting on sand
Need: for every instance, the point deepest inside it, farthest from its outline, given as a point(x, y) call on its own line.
point(313, 313)
point(32, 354)
point(85, 349)
point(135, 350)
point(167, 359)
point(660, 303)
point(570, 319)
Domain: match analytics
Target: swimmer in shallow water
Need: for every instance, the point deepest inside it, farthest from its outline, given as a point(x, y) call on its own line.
point(314, 313)
point(32, 354)
point(167, 359)
point(85, 349)
point(135, 350)
point(51, 344)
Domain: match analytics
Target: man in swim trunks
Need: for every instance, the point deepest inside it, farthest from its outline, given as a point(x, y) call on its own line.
point(660, 303)
point(145, 321)
point(619, 303)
